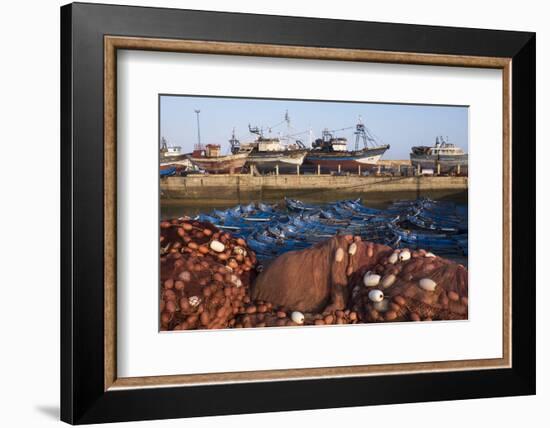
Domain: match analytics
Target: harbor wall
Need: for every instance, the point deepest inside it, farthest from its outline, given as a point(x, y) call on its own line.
point(231, 187)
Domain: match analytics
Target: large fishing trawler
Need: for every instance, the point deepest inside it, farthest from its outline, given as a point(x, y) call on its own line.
point(267, 154)
point(443, 155)
point(331, 152)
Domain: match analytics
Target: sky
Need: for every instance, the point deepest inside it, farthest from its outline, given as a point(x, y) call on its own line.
point(400, 125)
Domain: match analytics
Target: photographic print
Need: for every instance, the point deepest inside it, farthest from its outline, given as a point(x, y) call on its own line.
point(278, 213)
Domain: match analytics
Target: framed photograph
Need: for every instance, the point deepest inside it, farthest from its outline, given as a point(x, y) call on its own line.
point(276, 213)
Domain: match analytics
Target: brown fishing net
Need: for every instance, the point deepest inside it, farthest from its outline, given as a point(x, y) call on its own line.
point(209, 280)
point(417, 286)
point(205, 275)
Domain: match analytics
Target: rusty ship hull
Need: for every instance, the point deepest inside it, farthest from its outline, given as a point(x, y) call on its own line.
point(230, 164)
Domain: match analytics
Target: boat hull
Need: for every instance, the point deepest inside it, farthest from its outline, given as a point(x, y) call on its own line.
point(447, 164)
point(286, 161)
point(346, 161)
point(221, 165)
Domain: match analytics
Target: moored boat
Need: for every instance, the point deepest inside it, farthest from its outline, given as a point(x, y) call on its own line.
point(443, 155)
point(212, 161)
point(331, 153)
point(267, 154)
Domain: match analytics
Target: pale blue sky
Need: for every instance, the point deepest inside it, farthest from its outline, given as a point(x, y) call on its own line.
point(399, 125)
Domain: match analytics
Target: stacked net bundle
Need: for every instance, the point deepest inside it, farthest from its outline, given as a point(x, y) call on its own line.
point(210, 279)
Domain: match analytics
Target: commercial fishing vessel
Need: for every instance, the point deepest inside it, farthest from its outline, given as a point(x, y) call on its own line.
point(172, 160)
point(449, 157)
point(210, 159)
point(265, 154)
point(331, 152)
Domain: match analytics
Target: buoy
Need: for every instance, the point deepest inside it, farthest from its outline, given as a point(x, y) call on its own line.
point(217, 246)
point(376, 296)
point(388, 280)
point(427, 284)
point(404, 255)
point(297, 317)
point(339, 256)
point(371, 279)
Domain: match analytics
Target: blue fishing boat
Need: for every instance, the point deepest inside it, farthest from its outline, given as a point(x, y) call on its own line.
point(272, 230)
point(167, 172)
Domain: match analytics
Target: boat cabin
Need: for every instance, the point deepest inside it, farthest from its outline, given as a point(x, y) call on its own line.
point(213, 150)
point(167, 151)
point(269, 145)
point(446, 149)
point(441, 148)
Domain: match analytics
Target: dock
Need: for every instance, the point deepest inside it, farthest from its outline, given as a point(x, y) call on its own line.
point(241, 186)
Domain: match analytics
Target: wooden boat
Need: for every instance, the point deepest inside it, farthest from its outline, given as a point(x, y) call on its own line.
point(212, 161)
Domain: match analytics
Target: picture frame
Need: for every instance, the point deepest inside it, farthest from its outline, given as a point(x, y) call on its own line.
point(91, 391)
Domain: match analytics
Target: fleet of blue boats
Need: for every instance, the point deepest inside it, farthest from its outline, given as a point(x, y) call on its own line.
point(273, 229)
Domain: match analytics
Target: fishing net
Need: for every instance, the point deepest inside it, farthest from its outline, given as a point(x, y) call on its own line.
point(209, 280)
point(205, 275)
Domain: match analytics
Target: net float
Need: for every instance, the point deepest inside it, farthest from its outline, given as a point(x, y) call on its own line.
point(399, 300)
point(169, 295)
point(235, 280)
point(371, 279)
point(427, 284)
point(376, 296)
point(297, 317)
point(352, 249)
point(390, 315)
point(339, 256)
point(393, 258)
point(217, 246)
point(388, 280)
point(404, 255)
point(239, 250)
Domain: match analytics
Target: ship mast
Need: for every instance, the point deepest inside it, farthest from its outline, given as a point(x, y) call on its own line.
point(199, 146)
point(362, 133)
point(163, 145)
point(235, 143)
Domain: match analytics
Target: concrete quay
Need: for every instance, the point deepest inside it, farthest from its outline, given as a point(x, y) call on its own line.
point(237, 186)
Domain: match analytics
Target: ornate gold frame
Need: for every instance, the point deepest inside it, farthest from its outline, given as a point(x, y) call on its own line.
point(113, 43)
